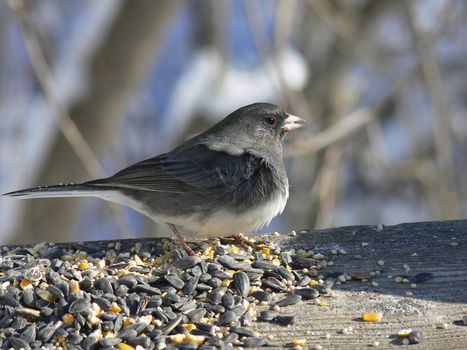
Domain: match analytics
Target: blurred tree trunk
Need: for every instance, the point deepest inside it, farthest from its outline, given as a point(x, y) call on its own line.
point(116, 73)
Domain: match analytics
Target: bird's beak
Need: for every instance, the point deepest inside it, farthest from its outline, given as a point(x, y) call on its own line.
point(292, 122)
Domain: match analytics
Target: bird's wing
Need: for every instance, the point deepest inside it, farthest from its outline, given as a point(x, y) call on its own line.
point(195, 169)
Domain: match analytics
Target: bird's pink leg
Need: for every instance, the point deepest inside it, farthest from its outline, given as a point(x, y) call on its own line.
point(184, 245)
point(243, 242)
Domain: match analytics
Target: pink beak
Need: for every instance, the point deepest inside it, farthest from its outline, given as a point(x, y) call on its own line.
point(292, 122)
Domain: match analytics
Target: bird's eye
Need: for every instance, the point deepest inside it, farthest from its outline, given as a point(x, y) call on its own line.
point(270, 120)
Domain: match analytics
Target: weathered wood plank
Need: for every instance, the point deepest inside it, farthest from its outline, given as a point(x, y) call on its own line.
point(440, 249)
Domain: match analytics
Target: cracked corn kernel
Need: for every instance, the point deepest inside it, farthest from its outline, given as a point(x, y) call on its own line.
point(115, 308)
point(323, 303)
point(299, 342)
point(206, 320)
point(177, 338)
point(83, 264)
point(74, 287)
point(123, 346)
point(189, 326)
point(93, 319)
point(226, 283)
point(68, 318)
point(25, 284)
point(276, 262)
point(266, 251)
point(372, 316)
point(198, 339)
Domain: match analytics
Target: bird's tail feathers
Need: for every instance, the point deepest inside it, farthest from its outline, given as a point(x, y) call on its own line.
point(62, 190)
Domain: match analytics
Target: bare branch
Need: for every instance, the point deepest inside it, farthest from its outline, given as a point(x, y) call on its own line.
point(449, 201)
point(46, 80)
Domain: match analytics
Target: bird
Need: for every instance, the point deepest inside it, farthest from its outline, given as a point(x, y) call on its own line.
point(228, 180)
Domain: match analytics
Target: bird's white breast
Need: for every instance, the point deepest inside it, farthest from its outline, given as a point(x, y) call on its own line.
point(223, 222)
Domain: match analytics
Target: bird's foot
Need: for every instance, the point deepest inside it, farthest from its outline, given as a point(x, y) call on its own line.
point(243, 242)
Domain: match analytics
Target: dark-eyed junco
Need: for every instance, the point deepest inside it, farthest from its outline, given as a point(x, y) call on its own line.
point(229, 179)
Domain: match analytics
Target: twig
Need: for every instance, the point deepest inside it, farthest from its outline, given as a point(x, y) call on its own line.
point(449, 201)
point(331, 18)
point(46, 80)
point(325, 187)
point(340, 130)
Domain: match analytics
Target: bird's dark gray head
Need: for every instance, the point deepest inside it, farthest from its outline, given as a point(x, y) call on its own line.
point(258, 126)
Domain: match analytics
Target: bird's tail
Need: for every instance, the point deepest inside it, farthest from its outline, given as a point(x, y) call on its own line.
point(62, 190)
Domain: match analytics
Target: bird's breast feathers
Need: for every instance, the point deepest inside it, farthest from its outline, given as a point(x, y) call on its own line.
point(224, 222)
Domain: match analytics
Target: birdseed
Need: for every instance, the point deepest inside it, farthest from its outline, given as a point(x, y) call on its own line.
point(114, 295)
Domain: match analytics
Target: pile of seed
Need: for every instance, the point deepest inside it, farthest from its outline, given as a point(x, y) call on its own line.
point(151, 296)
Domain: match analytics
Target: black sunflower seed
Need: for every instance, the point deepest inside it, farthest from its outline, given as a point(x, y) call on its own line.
point(241, 283)
point(290, 299)
point(274, 283)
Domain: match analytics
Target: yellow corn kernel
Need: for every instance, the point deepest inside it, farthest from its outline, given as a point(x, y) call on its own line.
point(299, 342)
point(189, 326)
point(74, 287)
point(115, 308)
point(233, 248)
point(206, 320)
point(313, 282)
point(226, 283)
point(252, 290)
point(25, 284)
point(323, 303)
point(372, 316)
point(123, 346)
point(94, 320)
point(198, 339)
point(211, 254)
point(276, 262)
point(146, 319)
point(163, 294)
point(126, 322)
point(68, 318)
point(266, 251)
point(177, 338)
point(83, 264)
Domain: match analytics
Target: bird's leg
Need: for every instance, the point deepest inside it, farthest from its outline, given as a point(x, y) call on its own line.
point(242, 241)
point(184, 245)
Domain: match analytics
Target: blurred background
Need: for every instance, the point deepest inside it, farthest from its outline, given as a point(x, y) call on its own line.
point(88, 87)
